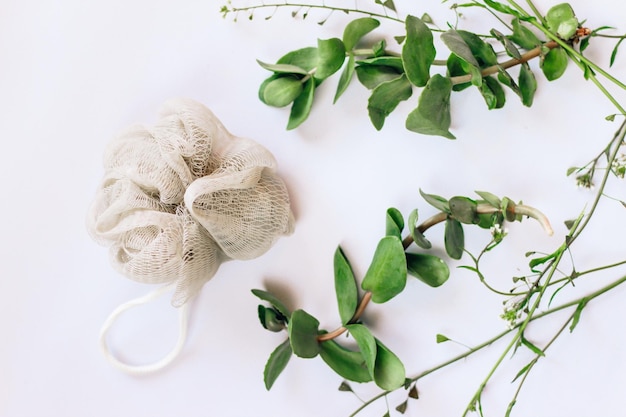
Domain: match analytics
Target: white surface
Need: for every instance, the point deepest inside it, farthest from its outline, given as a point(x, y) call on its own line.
point(73, 74)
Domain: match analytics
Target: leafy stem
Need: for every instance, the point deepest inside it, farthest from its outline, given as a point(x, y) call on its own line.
point(519, 209)
point(249, 9)
point(494, 69)
point(495, 338)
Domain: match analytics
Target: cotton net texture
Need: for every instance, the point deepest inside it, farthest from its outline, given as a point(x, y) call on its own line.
point(180, 198)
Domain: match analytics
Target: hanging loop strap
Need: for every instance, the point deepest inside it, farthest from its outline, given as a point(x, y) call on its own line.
point(167, 359)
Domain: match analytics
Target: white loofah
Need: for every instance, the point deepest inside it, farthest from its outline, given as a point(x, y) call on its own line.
point(180, 198)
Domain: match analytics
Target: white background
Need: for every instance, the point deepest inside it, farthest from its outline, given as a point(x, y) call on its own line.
point(75, 73)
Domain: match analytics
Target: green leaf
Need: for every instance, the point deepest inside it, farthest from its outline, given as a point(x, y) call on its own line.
point(490, 198)
point(527, 84)
point(356, 29)
point(271, 319)
point(436, 201)
point(387, 3)
point(554, 63)
point(532, 347)
point(614, 52)
point(509, 46)
point(371, 76)
point(441, 338)
point(432, 115)
point(502, 8)
point(282, 91)
point(419, 239)
point(264, 84)
point(418, 51)
point(344, 80)
point(283, 68)
point(523, 36)
point(386, 97)
point(301, 107)
point(389, 372)
point(303, 331)
point(276, 363)
point(576, 316)
point(305, 58)
point(331, 55)
point(480, 50)
point(454, 239)
point(458, 67)
point(562, 21)
point(387, 61)
point(523, 371)
point(345, 287)
point(429, 269)
point(463, 209)
point(275, 302)
point(394, 223)
point(506, 79)
point(367, 344)
point(457, 45)
point(386, 276)
point(401, 408)
point(346, 363)
point(493, 93)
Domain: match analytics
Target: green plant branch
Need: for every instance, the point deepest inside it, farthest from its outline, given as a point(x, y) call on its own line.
point(535, 360)
point(494, 69)
point(440, 217)
point(495, 338)
point(227, 10)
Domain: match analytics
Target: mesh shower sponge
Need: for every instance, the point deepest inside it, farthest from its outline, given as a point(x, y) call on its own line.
point(180, 198)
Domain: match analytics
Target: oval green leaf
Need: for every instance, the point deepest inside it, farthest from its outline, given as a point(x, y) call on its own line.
point(389, 372)
point(429, 269)
point(418, 51)
point(554, 63)
point(302, 105)
point(562, 21)
point(282, 91)
point(491, 199)
point(346, 363)
point(276, 363)
point(454, 239)
point(344, 80)
point(282, 68)
point(345, 287)
point(275, 302)
point(464, 209)
point(356, 29)
point(303, 331)
point(527, 84)
point(386, 276)
point(394, 223)
point(493, 93)
point(371, 76)
point(386, 97)
point(305, 58)
point(331, 55)
point(419, 239)
point(432, 115)
point(523, 36)
point(367, 344)
point(436, 201)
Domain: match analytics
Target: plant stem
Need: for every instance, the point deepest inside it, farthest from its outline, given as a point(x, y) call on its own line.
point(494, 69)
point(313, 6)
point(497, 337)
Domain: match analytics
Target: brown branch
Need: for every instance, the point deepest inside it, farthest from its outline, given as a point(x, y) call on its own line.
point(494, 69)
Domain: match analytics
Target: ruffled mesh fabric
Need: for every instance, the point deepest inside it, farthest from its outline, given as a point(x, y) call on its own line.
point(180, 198)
